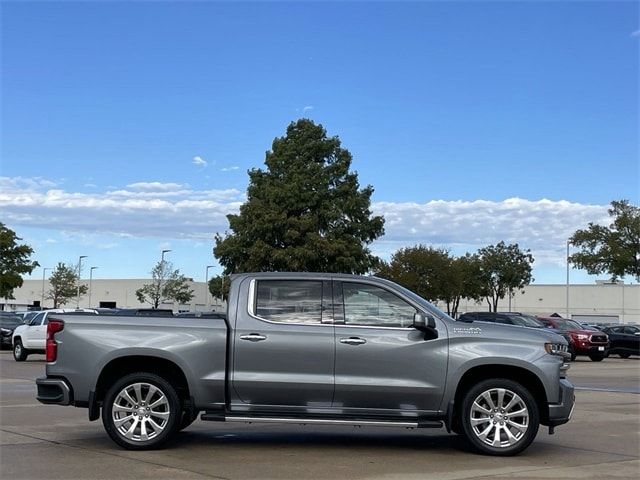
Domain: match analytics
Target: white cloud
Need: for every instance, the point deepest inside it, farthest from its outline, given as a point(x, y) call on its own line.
point(542, 225)
point(307, 109)
point(91, 185)
point(636, 33)
point(156, 186)
point(229, 169)
point(199, 161)
point(174, 210)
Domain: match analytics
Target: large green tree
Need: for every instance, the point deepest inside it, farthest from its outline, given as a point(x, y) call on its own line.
point(504, 269)
point(615, 249)
point(166, 284)
point(15, 261)
point(63, 285)
point(304, 212)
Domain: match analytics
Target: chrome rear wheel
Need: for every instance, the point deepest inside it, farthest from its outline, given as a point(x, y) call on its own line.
point(140, 412)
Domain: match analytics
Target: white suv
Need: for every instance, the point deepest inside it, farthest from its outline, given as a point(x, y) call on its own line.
point(31, 337)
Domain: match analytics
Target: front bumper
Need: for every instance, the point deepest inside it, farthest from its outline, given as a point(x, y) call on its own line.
point(5, 341)
point(560, 412)
point(54, 391)
point(591, 349)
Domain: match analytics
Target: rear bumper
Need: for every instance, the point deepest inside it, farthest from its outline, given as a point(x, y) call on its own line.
point(54, 391)
point(560, 412)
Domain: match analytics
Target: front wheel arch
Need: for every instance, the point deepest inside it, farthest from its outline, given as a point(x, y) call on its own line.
point(477, 374)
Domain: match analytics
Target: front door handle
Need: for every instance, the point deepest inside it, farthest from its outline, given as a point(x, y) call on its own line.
point(353, 341)
point(253, 337)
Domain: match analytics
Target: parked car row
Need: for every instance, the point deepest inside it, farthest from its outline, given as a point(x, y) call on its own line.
point(596, 342)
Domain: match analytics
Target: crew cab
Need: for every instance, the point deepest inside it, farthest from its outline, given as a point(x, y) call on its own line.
point(30, 337)
point(594, 344)
point(310, 348)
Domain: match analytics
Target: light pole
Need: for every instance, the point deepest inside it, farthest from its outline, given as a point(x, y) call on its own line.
point(163, 252)
point(567, 300)
point(90, 281)
point(206, 287)
point(79, 274)
point(44, 271)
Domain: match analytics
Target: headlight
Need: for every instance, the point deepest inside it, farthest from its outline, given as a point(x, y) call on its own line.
point(559, 349)
point(582, 337)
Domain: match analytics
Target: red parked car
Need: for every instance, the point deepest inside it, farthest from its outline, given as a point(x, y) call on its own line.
point(595, 345)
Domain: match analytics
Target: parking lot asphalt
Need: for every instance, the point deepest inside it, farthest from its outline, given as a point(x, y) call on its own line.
point(601, 441)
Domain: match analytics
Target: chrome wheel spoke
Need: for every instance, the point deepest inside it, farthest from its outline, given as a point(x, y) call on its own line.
point(517, 426)
point(480, 421)
point(129, 433)
point(137, 390)
point(128, 397)
point(501, 392)
point(150, 393)
point(163, 415)
point(123, 420)
point(488, 399)
point(479, 408)
point(161, 401)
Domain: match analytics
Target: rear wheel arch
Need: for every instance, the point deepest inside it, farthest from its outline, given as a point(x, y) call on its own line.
point(122, 366)
point(524, 377)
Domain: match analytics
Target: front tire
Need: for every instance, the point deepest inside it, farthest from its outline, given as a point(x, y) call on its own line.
point(596, 358)
point(141, 411)
point(499, 417)
point(20, 353)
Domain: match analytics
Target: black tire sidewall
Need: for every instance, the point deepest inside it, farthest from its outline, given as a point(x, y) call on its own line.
point(175, 407)
point(532, 406)
point(596, 358)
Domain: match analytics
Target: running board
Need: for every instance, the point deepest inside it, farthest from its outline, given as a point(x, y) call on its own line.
point(216, 417)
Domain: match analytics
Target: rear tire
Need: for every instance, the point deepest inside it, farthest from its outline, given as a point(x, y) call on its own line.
point(20, 353)
point(624, 355)
point(141, 411)
point(596, 358)
point(499, 417)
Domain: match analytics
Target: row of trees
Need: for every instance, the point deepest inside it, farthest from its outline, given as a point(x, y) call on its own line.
point(490, 274)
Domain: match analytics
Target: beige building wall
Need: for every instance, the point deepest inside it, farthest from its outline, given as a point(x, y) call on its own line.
point(596, 302)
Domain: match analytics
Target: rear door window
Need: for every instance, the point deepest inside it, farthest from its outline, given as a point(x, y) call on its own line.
point(289, 301)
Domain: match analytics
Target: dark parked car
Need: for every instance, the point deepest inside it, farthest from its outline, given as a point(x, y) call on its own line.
point(511, 318)
point(8, 323)
point(593, 344)
point(624, 339)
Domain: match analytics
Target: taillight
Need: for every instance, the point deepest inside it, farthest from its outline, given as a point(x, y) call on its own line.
point(54, 326)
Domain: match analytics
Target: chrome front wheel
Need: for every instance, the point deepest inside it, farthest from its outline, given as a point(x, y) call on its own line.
point(499, 417)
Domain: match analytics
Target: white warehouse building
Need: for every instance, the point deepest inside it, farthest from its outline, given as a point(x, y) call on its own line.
point(600, 302)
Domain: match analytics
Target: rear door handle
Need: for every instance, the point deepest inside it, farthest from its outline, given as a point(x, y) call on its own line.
point(353, 341)
point(253, 337)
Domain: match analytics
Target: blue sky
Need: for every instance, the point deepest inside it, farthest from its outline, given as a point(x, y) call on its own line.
point(474, 121)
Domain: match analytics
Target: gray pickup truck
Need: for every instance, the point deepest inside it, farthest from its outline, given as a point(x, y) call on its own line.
point(310, 349)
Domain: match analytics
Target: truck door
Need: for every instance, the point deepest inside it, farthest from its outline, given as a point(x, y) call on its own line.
point(283, 345)
point(383, 363)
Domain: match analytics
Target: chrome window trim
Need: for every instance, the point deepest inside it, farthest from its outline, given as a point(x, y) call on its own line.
point(253, 299)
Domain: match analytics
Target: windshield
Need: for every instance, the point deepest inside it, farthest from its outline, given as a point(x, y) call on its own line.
point(10, 322)
point(526, 321)
point(564, 324)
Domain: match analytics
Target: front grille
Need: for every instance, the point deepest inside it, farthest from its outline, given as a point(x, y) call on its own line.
point(599, 338)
